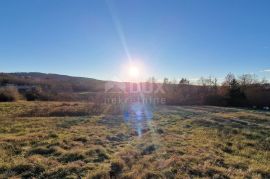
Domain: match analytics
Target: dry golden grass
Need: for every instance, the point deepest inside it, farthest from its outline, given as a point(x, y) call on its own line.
point(73, 140)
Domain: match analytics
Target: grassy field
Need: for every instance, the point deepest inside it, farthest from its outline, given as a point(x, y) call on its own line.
point(80, 140)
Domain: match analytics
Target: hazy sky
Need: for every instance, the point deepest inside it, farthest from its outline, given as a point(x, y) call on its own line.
point(169, 38)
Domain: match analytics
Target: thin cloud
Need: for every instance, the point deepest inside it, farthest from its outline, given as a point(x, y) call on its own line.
point(193, 79)
point(266, 70)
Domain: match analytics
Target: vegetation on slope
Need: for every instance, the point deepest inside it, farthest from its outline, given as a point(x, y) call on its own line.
point(244, 91)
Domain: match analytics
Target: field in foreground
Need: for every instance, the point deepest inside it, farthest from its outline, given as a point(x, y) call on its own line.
point(76, 140)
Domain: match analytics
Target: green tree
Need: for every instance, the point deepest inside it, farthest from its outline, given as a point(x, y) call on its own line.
point(235, 94)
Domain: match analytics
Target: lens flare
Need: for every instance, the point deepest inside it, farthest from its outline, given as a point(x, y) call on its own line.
point(134, 71)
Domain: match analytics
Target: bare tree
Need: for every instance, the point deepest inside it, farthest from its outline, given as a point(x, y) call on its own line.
point(228, 79)
point(183, 81)
point(247, 79)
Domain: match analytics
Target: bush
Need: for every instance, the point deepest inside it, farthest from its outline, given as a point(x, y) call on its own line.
point(71, 157)
point(98, 155)
point(9, 94)
point(149, 149)
point(27, 170)
point(42, 151)
point(35, 94)
point(116, 168)
point(216, 100)
point(12, 148)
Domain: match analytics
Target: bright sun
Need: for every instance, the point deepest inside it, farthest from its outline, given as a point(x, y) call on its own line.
point(133, 71)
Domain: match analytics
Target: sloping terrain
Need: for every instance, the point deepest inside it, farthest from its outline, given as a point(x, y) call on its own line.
point(73, 140)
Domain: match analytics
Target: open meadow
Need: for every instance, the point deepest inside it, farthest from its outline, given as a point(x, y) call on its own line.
point(142, 89)
point(81, 140)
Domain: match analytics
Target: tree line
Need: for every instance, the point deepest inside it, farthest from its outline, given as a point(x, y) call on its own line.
point(242, 91)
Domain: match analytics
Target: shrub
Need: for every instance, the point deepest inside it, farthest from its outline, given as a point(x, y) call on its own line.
point(53, 135)
point(149, 149)
point(81, 139)
point(12, 148)
point(27, 170)
point(216, 100)
point(71, 157)
point(3, 169)
point(98, 154)
point(116, 168)
point(42, 151)
point(35, 94)
point(9, 94)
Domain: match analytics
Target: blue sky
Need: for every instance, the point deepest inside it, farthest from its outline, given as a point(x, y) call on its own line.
point(174, 38)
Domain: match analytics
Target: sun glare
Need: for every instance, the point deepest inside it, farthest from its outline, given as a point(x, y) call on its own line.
point(133, 71)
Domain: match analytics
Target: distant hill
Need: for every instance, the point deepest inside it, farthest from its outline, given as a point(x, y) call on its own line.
point(54, 82)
